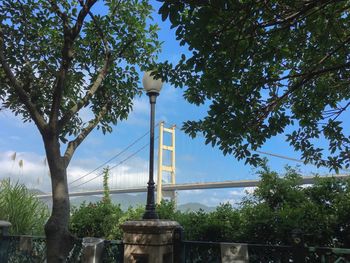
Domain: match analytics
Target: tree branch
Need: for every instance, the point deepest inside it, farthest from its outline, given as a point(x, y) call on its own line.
point(17, 86)
point(25, 43)
point(81, 16)
point(99, 30)
point(341, 111)
point(115, 8)
point(303, 11)
point(67, 56)
point(307, 77)
point(95, 86)
point(73, 145)
point(58, 11)
point(102, 74)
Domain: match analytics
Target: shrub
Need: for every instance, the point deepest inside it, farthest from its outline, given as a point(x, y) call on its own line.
point(102, 219)
point(26, 213)
point(270, 214)
point(96, 220)
point(167, 210)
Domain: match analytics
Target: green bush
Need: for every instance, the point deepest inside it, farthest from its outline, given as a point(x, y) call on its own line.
point(26, 213)
point(101, 219)
point(220, 225)
point(279, 205)
point(95, 220)
point(167, 210)
point(269, 215)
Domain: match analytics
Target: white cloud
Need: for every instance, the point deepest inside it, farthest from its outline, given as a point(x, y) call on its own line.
point(35, 173)
point(32, 172)
point(132, 173)
point(192, 192)
point(237, 193)
point(140, 112)
point(123, 176)
point(141, 106)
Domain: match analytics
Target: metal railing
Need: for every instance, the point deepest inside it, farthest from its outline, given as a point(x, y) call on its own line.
point(30, 249)
point(18, 249)
point(216, 252)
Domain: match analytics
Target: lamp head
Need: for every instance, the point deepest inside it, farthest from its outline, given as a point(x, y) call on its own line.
point(150, 84)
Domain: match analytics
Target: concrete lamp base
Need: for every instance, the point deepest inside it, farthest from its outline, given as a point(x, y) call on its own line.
point(149, 241)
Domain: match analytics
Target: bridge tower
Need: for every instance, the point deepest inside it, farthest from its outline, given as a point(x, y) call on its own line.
point(166, 168)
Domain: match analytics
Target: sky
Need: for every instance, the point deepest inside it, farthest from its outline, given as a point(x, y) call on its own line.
point(195, 161)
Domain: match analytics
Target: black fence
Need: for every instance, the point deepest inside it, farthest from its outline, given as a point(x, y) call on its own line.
point(212, 252)
point(29, 249)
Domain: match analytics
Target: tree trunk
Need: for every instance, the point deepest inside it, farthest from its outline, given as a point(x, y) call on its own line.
point(58, 239)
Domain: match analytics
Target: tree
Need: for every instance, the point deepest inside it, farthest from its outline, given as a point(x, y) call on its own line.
point(280, 206)
point(264, 68)
point(59, 58)
point(106, 196)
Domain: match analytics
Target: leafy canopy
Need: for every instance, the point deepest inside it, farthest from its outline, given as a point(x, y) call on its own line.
point(266, 67)
point(62, 57)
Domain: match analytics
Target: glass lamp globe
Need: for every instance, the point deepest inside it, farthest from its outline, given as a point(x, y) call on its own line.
point(150, 84)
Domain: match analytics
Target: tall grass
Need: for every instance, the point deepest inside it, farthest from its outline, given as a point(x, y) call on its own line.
point(26, 213)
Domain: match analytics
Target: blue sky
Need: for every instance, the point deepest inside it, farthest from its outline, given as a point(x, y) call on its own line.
point(196, 162)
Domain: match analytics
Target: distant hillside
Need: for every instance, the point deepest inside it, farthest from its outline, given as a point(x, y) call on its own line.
point(76, 201)
point(189, 207)
point(36, 191)
point(125, 201)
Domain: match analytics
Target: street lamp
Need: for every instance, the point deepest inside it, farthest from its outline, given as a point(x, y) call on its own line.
point(152, 87)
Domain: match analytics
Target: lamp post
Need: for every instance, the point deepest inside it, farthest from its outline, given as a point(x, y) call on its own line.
point(152, 87)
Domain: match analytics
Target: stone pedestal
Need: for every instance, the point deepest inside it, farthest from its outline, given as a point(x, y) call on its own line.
point(4, 228)
point(92, 251)
point(4, 240)
point(149, 241)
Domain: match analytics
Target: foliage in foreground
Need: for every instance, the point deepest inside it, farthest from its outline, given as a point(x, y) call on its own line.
point(276, 208)
point(264, 68)
point(101, 219)
point(59, 59)
point(26, 213)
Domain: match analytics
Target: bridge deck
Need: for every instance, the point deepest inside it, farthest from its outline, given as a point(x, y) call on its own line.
point(189, 186)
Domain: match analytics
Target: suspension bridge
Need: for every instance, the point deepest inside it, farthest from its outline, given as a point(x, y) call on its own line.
point(189, 186)
point(164, 188)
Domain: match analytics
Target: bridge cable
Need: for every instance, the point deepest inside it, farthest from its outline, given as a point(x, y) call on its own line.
point(112, 158)
point(121, 162)
point(274, 154)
